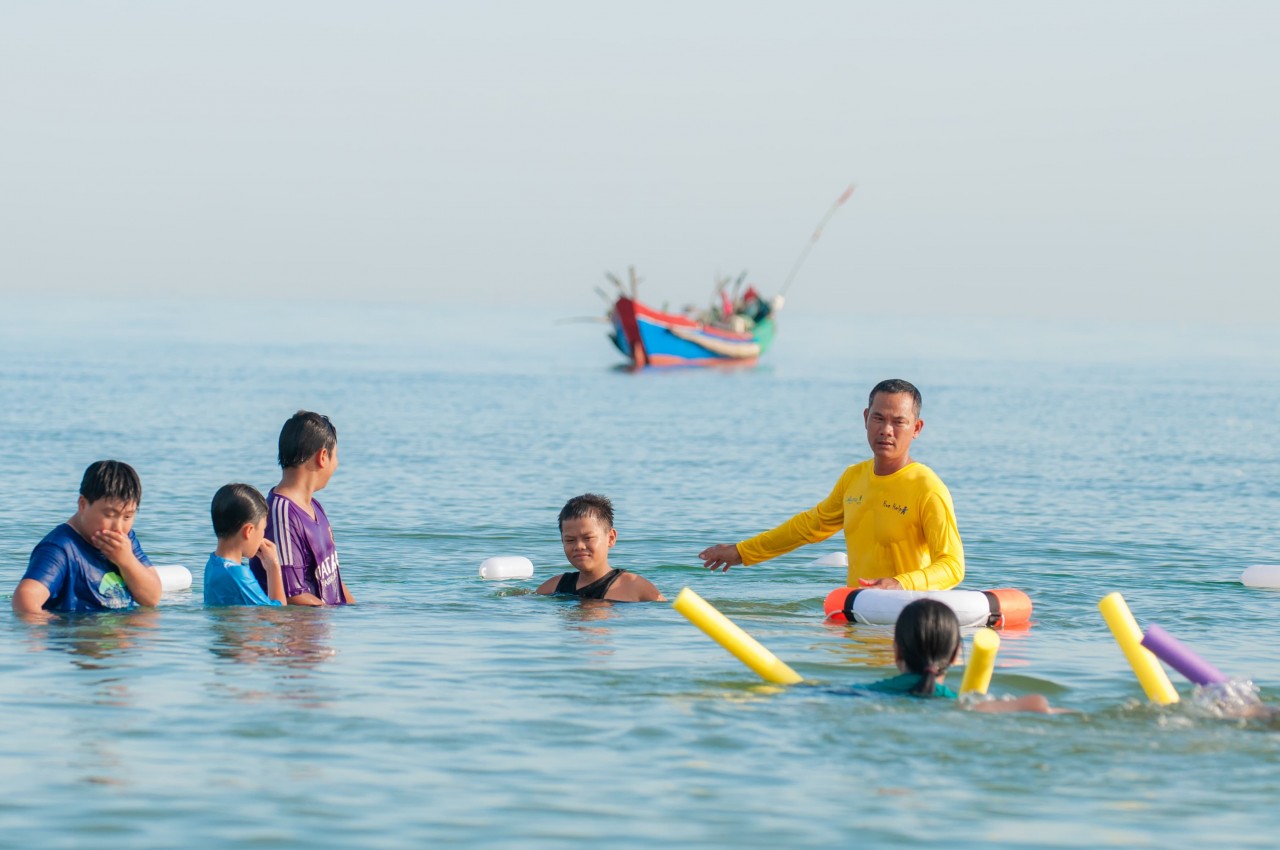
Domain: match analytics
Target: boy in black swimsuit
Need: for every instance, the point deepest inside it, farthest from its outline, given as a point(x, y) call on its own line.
point(587, 532)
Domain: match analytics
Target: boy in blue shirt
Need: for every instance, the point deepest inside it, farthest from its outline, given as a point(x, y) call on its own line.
point(240, 521)
point(92, 562)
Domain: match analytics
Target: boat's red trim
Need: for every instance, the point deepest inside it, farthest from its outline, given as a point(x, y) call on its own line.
point(668, 360)
point(640, 310)
point(625, 309)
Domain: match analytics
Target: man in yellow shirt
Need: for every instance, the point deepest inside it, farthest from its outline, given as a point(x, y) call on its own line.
point(898, 520)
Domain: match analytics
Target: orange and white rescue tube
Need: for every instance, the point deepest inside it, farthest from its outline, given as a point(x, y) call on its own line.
point(996, 609)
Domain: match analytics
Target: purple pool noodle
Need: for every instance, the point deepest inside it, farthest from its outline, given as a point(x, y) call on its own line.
point(1172, 652)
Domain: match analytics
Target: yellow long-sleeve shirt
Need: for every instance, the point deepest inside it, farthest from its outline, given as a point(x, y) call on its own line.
point(901, 525)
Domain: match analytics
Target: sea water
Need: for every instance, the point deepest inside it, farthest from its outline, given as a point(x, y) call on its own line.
point(444, 709)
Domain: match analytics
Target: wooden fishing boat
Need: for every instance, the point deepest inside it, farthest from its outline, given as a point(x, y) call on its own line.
point(735, 330)
point(649, 337)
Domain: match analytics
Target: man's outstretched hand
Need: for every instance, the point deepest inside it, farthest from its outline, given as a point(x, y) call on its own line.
point(720, 557)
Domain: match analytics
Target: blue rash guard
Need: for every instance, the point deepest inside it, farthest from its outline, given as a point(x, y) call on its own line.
point(79, 578)
point(903, 685)
point(230, 583)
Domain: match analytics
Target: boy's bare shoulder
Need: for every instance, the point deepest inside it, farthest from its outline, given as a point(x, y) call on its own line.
point(548, 587)
point(637, 588)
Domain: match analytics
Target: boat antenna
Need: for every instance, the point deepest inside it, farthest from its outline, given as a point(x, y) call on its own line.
point(635, 282)
point(721, 282)
point(817, 234)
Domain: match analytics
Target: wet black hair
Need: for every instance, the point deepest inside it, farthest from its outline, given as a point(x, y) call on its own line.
point(588, 505)
point(303, 435)
point(111, 479)
point(893, 386)
point(927, 636)
point(235, 505)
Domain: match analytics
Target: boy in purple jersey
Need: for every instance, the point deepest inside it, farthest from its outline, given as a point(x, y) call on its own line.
point(296, 523)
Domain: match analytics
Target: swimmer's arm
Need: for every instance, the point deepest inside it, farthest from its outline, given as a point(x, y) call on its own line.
point(346, 594)
point(548, 587)
point(45, 576)
point(308, 599)
point(812, 526)
point(1031, 702)
point(30, 597)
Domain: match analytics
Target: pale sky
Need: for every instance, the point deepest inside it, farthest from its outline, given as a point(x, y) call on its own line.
point(1104, 159)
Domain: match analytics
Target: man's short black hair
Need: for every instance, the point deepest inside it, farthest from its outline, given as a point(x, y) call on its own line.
point(111, 479)
point(235, 505)
point(303, 435)
point(588, 505)
point(893, 386)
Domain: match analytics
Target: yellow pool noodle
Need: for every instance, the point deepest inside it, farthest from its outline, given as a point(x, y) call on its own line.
point(981, 663)
point(722, 630)
point(1143, 661)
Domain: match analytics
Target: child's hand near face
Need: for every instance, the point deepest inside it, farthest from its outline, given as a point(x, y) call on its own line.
point(268, 555)
point(270, 558)
point(116, 546)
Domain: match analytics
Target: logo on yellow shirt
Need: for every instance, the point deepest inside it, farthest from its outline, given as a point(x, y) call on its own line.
point(902, 509)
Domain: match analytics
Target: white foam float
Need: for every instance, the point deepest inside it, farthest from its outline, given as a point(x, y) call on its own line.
point(1261, 575)
point(508, 566)
point(173, 577)
point(833, 559)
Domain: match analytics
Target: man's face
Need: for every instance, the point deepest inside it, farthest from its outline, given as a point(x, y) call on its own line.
point(587, 542)
point(104, 515)
point(891, 426)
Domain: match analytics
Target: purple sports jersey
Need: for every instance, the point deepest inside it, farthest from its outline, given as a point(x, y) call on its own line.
point(308, 556)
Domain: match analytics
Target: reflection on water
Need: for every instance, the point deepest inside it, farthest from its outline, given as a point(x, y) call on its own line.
point(580, 614)
point(107, 652)
point(94, 641)
point(294, 636)
point(861, 645)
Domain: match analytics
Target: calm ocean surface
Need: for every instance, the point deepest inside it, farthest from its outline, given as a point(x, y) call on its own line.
point(445, 709)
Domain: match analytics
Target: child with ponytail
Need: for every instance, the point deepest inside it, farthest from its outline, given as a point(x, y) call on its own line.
point(926, 642)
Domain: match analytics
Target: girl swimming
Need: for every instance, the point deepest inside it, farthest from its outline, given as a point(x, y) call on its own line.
point(926, 642)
